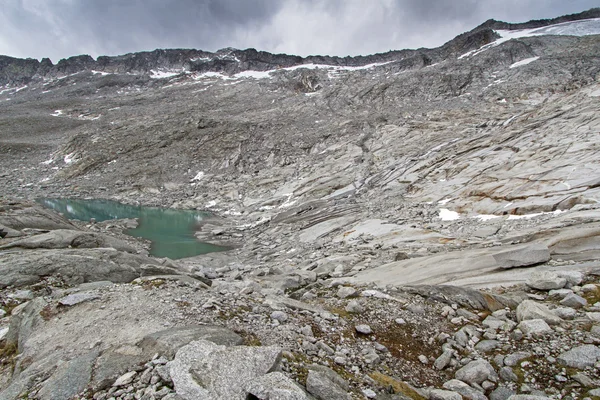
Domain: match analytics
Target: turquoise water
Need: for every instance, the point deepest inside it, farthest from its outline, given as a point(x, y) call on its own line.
point(170, 231)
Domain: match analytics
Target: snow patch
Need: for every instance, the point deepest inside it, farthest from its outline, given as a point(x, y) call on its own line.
point(445, 201)
point(102, 73)
point(69, 158)
point(160, 74)
point(198, 177)
point(529, 216)
point(57, 113)
point(211, 204)
point(484, 217)
point(524, 62)
point(573, 28)
point(447, 215)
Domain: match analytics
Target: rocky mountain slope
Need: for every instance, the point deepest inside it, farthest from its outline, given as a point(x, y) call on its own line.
point(420, 223)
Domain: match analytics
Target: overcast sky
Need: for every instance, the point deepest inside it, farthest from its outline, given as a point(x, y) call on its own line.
point(63, 28)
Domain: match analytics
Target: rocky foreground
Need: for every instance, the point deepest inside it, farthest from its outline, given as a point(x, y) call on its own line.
point(420, 224)
point(81, 320)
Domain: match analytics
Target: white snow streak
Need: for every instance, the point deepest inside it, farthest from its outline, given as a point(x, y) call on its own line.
point(523, 62)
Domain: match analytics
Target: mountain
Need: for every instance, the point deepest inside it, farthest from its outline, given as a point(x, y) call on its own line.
point(413, 224)
point(231, 61)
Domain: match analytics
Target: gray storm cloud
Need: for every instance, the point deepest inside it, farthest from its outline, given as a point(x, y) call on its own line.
point(62, 28)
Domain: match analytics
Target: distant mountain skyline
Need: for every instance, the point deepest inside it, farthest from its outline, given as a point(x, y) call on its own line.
point(63, 28)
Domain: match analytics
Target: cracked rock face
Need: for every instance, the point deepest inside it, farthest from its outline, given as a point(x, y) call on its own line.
point(420, 223)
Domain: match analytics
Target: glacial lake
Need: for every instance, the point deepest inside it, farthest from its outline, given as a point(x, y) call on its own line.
point(171, 231)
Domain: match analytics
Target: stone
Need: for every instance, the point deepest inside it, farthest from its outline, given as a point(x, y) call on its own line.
point(75, 266)
point(70, 379)
point(279, 316)
point(168, 341)
point(202, 369)
point(2, 313)
point(567, 313)
point(125, 379)
point(438, 394)
point(464, 390)
point(507, 374)
point(70, 238)
point(534, 327)
point(354, 307)
point(574, 301)
point(501, 393)
point(486, 346)
point(580, 357)
point(529, 309)
point(325, 384)
point(476, 372)
point(443, 360)
point(513, 359)
point(346, 292)
point(77, 298)
point(521, 256)
point(276, 386)
point(527, 397)
point(364, 329)
point(546, 280)
point(559, 293)
point(369, 393)
point(574, 278)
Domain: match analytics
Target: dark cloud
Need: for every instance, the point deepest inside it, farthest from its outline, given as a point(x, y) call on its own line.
point(61, 28)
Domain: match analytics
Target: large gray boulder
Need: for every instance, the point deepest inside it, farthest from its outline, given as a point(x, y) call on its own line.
point(521, 256)
point(580, 357)
point(70, 379)
point(529, 309)
point(70, 238)
point(204, 370)
point(33, 216)
point(476, 372)
point(75, 266)
point(25, 318)
point(167, 342)
point(326, 384)
point(277, 386)
point(534, 327)
point(438, 394)
point(464, 390)
point(546, 280)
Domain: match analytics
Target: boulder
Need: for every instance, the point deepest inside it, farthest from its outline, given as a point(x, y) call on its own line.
point(169, 341)
point(534, 327)
point(574, 301)
point(546, 280)
point(75, 266)
point(326, 384)
point(476, 372)
point(70, 238)
point(464, 390)
point(77, 298)
point(204, 370)
point(521, 256)
point(70, 379)
point(529, 309)
point(276, 386)
point(438, 394)
point(580, 357)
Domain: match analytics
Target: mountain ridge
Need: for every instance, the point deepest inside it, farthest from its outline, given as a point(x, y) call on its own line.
point(231, 61)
